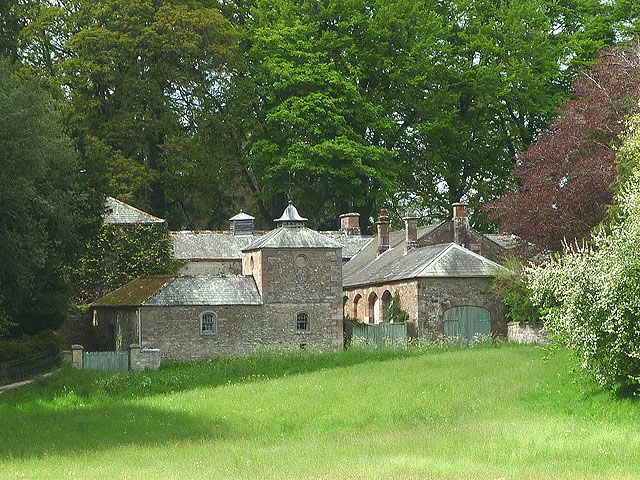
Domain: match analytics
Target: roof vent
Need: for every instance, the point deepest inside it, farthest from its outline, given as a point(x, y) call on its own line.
point(290, 217)
point(241, 224)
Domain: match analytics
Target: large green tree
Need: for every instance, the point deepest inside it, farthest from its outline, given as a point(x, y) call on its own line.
point(47, 210)
point(140, 78)
point(362, 103)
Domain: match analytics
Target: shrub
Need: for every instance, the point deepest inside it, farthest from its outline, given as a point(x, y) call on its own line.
point(511, 287)
point(28, 346)
point(591, 297)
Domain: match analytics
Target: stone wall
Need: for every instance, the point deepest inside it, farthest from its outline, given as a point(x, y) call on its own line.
point(297, 275)
point(211, 267)
point(436, 295)
point(357, 301)
point(122, 326)
point(176, 331)
point(526, 333)
point(144, 358)
point(79, 328)
point(474, 241)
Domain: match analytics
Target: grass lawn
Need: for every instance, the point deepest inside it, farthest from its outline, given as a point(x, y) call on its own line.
point(482, 413)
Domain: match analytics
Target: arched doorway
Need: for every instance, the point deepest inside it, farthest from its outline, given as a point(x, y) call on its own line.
point(373, 311)
point(467, 322)
point(386, 305)
point(358, 307)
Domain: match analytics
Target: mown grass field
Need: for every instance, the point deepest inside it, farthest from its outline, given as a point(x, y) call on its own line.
point(482, 413)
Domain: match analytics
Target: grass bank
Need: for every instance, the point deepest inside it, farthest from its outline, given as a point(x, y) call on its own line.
point(482, 413)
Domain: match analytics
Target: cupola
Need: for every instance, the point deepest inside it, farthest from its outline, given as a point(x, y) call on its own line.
point(290, 217)
point(241, 224)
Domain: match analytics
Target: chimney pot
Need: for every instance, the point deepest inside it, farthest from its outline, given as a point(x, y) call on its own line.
point(350, 223)
point(460, 224)
point(383, 231)
point(411, 230)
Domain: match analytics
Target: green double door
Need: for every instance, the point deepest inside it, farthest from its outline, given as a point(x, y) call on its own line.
point(467, 322)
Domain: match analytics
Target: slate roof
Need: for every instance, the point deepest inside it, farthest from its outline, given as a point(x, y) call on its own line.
point(242, 216)
point(206, 245)
point(351, 244)
point(207, 290)
point(183, 291)
point(133, 293)
point(122, 213)
point(505, 241)
point(445, 260)
point(292, 237)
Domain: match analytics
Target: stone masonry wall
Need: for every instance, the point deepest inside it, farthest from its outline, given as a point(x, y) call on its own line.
point(357, 305)
point(301, 275)
point(176, 331)
point(436, 295)
point(211, 267)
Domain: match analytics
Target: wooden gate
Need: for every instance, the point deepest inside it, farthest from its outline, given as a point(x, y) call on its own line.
point(467, 322)
point(380, 335)
point(118, 361)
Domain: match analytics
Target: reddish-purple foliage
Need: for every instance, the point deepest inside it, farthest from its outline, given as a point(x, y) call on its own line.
point(565, 178)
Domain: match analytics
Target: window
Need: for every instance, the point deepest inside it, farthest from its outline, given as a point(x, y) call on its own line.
point(302, 322)
point(209, 322)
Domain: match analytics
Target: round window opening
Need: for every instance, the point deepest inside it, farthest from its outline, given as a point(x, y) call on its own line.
point(301, 261)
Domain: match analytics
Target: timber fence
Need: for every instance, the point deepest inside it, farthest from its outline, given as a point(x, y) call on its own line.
point(19, 370)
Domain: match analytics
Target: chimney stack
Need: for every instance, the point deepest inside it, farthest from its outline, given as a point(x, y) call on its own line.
point(383, 231)
point(460, 224)
point(350, 223)
point(411, 230)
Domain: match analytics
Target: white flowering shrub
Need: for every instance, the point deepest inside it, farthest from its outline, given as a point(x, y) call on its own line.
point(590, 296)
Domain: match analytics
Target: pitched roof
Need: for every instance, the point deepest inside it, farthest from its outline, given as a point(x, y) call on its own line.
point(206, 245)
point(287, 237)
point(183, 291)
point(242, 216)
point(207, 290)
point(351, 244)
point(134, 293)
point(122, 213)
point(505, 241)
point(444, 260)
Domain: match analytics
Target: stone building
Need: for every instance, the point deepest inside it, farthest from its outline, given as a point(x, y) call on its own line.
point(441, 275)
point(283, 289)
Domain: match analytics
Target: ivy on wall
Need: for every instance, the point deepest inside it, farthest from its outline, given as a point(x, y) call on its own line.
point(119, 254)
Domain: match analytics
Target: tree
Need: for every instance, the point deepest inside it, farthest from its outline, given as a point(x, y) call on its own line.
point(565, 178)
point(429, 100)
point(140, 78)
point(46, 208)
point(590, 296)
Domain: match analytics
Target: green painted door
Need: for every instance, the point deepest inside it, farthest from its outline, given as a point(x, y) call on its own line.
point(467, 322)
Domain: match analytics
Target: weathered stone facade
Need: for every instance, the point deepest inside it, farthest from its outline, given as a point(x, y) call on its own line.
point(437, 295)
point(425, 300)
point(177, 332)
point(287, 295)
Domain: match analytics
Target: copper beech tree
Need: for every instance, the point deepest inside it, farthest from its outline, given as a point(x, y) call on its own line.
point(566, 178)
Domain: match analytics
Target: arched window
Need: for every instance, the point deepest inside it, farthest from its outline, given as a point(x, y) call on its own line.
point(302, 322)
point(208, 322)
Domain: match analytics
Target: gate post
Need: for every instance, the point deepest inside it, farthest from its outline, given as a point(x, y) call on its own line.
point(134, 357)
point(76, 355)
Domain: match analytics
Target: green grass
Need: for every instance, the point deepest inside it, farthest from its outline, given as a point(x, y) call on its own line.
point(485, 413)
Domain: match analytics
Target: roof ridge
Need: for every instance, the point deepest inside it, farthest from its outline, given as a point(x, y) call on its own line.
point(435, 259)
point(146, 214)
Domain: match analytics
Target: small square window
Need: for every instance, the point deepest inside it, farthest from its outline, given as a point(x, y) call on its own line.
point(302, 322)
point(209, 323)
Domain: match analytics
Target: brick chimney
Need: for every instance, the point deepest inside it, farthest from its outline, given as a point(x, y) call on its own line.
point(460, 224)
point(383, 231)
point(350, 223)
point(410, 230)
